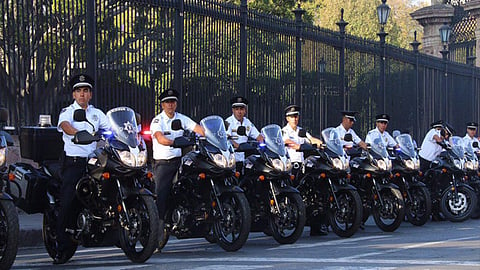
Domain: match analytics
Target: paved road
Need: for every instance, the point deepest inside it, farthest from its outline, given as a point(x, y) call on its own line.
point(436, 245)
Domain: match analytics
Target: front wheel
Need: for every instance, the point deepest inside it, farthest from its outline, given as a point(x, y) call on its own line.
point(458, 206)
point(418, 206)
point(8, 233)
point(138, 237)
point(232, 223)
point(286, 225)
point(390, 211)
point(346, 216)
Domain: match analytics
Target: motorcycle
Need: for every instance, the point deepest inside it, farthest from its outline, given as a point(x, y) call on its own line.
point(451, 195)
point(371, 174)
point(204, 198)
point(276, 206)
point(405, 170)
point(471, 169)
point(8, 213)
point(111, 205)
point(324, 185)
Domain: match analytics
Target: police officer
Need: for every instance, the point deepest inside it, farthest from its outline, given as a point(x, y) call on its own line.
point(345, 127)
point(166, 158)
point(381, 121)
point(470, 136)
point(75, 160)
point(431, 145)
point(237, 119)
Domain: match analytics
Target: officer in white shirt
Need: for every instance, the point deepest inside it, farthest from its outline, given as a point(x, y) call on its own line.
point(470, 136)
point(237, 119)
point(345, 127)
point(166, 158)
point(381, 122)
point(75, 159)
point(431, 148)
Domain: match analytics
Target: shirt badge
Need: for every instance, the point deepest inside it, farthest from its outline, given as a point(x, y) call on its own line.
point(95, 118)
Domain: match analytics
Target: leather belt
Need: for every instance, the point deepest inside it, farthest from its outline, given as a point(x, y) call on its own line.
point(166, 161)
point(75, 159)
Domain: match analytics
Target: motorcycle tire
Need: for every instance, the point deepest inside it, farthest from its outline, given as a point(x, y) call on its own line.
point(389, 213)
point(233, 227)
point(8, 233)
point(418, 210)
point(210, 237)
point(460, 208)
point(346, 220)
point(287, 225)
point(140, 240)
point(49, 235)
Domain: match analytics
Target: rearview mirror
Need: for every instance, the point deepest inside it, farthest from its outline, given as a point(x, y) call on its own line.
point(302, 133)
point(475, 144)
point(79, 115)
point(177, 124)
point(348, 137)
point(241, 131)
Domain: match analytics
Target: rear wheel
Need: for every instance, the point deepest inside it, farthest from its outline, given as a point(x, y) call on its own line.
point(8, 233)
point(232, 223)
point(458, 206)
point(347, 217)
point(50, 236)
point(138, 238)
point(287, 224)
point(389, 213)
point(418, 206)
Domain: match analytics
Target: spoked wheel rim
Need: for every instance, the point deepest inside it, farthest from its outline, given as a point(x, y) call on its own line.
point(285, 221)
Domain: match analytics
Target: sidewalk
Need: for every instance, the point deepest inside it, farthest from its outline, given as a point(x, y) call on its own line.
point(30, 233)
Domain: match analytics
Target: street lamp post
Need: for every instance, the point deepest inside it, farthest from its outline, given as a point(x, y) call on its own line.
point(383, 11)
point(321, 71)
point(445, 32)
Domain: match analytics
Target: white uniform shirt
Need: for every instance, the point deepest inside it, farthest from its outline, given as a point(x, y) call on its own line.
point(386, 138)
point(342, 131)
point(94, 116)
point(289, 133)
point(163, 124)
point(468, 139)
point(430, 149)
point(250, 130)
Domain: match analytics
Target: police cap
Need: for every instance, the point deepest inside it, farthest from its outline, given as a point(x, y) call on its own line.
point(382, 118)
point(81, 80)
point(238, 101)
point(437, 124)
point(472, 125)
point(292, 110)
point(169, 94)
point(349, 114)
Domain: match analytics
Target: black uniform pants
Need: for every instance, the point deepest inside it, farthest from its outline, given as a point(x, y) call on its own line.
point(164, 171)
point(73, 169)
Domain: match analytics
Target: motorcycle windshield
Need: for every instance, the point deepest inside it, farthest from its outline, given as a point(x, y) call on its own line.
point(406, 145)
point(124, 125)
point(378, 146)
point(457, 146)
point(3, 142)
point(332, 139)
point(215, 131)
point(469, 151)
point(273, 139)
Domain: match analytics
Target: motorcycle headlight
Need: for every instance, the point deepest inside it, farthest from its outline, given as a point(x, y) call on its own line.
point(338, 163)
point(458, 164)
point(231, 160)
point(382, 164)
point(132, 160)
point(475, 165)
point(3, 154)
point(278, 164)
point(220, 160)
point(410, 164)
point(288, 165)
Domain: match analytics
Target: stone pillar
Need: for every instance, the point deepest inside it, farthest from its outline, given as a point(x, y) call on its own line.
point(432, 18)
point(473, 7)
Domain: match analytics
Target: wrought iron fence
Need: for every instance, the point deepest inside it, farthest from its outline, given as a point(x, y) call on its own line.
point(211, 51)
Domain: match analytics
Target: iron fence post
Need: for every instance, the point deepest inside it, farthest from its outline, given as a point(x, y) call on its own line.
point(383, 90)
point(298, 54)
point(178, 58)
point(91, 43)
point(415, 44)
point(445, 53)
point(243, 48)
point(341, 68)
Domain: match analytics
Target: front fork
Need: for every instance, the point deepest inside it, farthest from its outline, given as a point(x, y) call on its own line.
point(124, 219)
point(376, 192)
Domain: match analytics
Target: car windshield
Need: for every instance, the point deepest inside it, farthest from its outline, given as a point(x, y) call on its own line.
point(378, 146)
point(457, 146)
point(332, 139)
point(406, 145)
point(273, 139)
point(124, 125)
point(215, 131)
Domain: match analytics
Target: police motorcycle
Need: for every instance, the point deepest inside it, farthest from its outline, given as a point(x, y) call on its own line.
point(204, 197)
point(111, 206)
point(451, 196)
point(405, 170)
point(473, 175)
point(8, 213)
point(371, 173)
point(325, 188)
point(276, 206)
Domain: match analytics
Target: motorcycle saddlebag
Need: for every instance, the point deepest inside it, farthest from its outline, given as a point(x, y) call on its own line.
point(29, 188)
